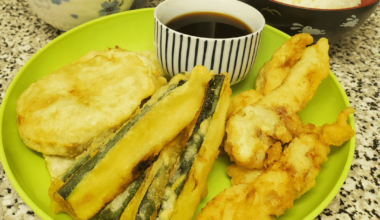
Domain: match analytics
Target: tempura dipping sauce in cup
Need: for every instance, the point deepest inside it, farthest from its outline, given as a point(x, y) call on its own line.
point(222, 35)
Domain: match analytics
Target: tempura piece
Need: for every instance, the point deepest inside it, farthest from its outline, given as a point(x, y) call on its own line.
point(274, 154)
point(56, 165)
point(275, 114)
point(242, 175)
point(195, 187)
point(85, 101)
point(168, 156)
point(286, 180)
point(335, 134)
point(267, 194)
point(249, 97)
point(302, 82)
point(111, 168)
point(247, 135)
point(272, 74)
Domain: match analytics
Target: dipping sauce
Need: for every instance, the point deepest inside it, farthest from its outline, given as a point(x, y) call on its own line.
point(209, 25)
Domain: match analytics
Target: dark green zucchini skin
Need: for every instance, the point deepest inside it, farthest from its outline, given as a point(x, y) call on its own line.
point(76, 166)
point(193, 145)
point(151, 198)
point(112, 213)
point(84, 166)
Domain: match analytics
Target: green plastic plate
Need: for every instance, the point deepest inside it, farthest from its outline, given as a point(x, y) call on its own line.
point(133, 30)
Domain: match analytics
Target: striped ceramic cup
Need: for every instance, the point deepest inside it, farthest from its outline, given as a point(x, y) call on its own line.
point(179, 52)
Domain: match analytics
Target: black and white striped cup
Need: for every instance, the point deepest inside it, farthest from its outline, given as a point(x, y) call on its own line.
point(179, 52)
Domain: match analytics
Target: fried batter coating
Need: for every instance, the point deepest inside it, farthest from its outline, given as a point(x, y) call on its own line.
point(275, 114)
point(85, 101)
point(274, 154)
point(302, 82)
point(56, 165)
point(148, 133)
point(249, 97)
point(272, 74)
point(268, 194)
point(247, 133)
point(242, 175)
point(337, 133)
point(274, 191)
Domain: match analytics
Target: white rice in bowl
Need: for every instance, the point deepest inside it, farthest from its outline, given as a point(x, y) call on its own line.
point(323, 4)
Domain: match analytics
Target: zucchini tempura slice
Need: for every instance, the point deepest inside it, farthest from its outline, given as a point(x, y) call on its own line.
point(104, 176)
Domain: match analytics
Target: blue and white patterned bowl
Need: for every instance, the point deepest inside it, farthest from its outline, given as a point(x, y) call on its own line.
point(332, 24)
point(67, 14)
point(177, 52)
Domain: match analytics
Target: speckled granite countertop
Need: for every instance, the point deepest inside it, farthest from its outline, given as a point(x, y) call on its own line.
point(355, 61)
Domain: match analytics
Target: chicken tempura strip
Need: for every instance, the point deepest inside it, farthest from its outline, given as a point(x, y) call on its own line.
point(284, 181)
point(249, 97)
point(247, 135)
point(302, 82)
point(275, 115)
point(242, 175)
point(272, 74)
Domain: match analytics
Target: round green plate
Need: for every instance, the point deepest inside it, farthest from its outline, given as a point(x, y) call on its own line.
point(133, 31)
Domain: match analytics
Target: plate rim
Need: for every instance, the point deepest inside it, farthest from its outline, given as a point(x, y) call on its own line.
point(32, 205)
point(350, 156)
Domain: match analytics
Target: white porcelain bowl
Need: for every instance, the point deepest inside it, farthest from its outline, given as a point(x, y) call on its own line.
point(66, 14)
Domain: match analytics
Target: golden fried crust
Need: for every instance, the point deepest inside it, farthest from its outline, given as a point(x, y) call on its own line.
point(303, 80)
point(302, 160)
point(272, 74)
point(291, 172)
point(225, 205)
point(332, 134)
point(249, 97)
point(242, 175)
point(168, 156)
point(85, 101)
point(274, 115)
point(56, 165)
point(337, 133)
point(258, 200)
point(195, 187)
point(144, 140)
point(248, 135)
point(274, 154)
point(287, 179)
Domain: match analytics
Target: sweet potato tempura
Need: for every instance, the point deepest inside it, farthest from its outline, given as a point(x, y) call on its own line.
point(274, 191)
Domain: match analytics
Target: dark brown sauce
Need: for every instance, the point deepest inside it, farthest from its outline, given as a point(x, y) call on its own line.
point(209, 25)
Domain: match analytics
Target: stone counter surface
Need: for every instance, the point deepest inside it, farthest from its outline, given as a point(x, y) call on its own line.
point(355, 61)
